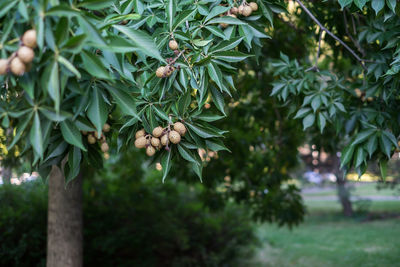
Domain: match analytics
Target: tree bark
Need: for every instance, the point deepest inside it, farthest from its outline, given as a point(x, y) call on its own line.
point(65, 222)
point(343, 192)
point(6, 175)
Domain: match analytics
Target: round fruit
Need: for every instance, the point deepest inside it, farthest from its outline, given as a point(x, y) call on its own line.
point(26, 54)
point(358, 92)
point(150, 151)
point(106, 128)
point(253, 6)
point(140, 142)
point(158, 131)
point(240, 9)
point(106, 156)
point(174, 137)
point(370, 99)
point(29, 38)
point(91, 139)
point(180, 128)
point(17, 67)
point(173, 45)
point(105, 147)
point(170, 70)
point(164, 140)
point(155, 142)
point(160, 73)
point(247, 10)
point(140, 133)
point(234, 10)
point(3, 66)
point(207, 105)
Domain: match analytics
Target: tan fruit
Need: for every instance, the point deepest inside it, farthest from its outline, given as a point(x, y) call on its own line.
point(234, 10)
point(105, 147)
point(140, 133)
point(150, 151)
point(247, 11)
point(173, 45)
point(158, 131)
point(141, 142)
point(169, 70)
point(29, 38)
point(223, 25)
point(91, 139)
point(160, 73)
point(398, 143)
point(26, 54)
point(155, 142)
point(240, 9)
point(358, 92)
point(180, 128)
point(253, 6)
point(17, 67)
point(174, 137)
point(106, 156)
point(3, 66)
point(207, 105)
point(106, 128)
point(164, 140)
point(370, 99)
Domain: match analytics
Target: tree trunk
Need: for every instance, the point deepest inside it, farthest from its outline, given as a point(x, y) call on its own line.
point(6, 175)
point(343, 192)
point(65, 222)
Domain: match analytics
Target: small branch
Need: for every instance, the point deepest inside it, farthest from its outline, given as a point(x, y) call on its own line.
point(361, 61)
point(355, 42)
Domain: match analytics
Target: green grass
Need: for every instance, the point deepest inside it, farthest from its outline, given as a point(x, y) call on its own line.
point(328, 239)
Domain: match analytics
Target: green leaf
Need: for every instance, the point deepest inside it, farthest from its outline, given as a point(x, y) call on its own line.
point(377, 5)
point(186, 154)
point(74, 44)
point(360, 3)
point(35, 136)
point(183, 16)
point(53, 115)
point(227, 45)
point(385, 145)
point(97, 110)
point(71, 134)
point(51, 77)
point(69, 66)
point(166, 164)
point(94, 66)
point(96, 4)
point(302, 113)
point(142, 41)
point(391, 4)
point(230, 56)
point(321, 122)
point(362, 136)
point(218, 99)
point(347, 155)
point(20, 130)
point(171, 10)
point(308, 121)
point(200, 131)
point(372, 144)
point(6, 6)
point(344, 3)
point(216, 31)
point(124, 101)
point(74, 162)
point(360, 157)
point(198, 169)
point(216, 11)
point(216, 145)
point(227, 20)
point(383, 168)
point(215, 74)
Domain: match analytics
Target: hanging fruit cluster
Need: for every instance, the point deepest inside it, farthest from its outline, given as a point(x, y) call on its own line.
point(94, 137)
point(20, 62)
point(166, 71)
point(160, 137)
point(245, 9)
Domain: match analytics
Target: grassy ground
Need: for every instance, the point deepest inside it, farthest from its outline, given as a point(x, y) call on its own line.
point(327, 239)
point(357, 189)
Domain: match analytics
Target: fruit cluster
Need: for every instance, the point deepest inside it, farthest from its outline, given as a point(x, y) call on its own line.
point(160, 137)
point(20, 62)
point(360, 94)
point(166, 71)
point(93, 137)
point(245, 9)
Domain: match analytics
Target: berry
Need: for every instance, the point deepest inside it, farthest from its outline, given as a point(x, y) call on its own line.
point(91, 139)
point(158, 131)
point(17, 67)
point(164, 140)
point(180, 128)
point(169, 70)
point(105, 147)
point(29, 38)
point(174, 137)
point(247, 10)
point(140, 133)
point(3, 66)
point(150, 151)
point(155, 142)
point(207, 105)
point(234, 10)
point(140, 142)
point(173, 45)
point(160, 73)
point(106, 128)
point(253, 6)
point(26, 54)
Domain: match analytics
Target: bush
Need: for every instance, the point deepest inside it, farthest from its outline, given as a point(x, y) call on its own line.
point(128, 223)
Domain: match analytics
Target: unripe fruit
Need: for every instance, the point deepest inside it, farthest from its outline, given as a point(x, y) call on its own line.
point(140, 133)
point(150, 151)
point(240, 9)
point(234, 10)
point(17, 67)
point(158, 131)
point(155, 142)
point(247, 11)
point(253, 6)
point(26, 54)
point(180, 128)
point(160, 72)
point(91, 139)
point(105, 147)
point(164, 140)
point(106, 156)
point(173, 45)
point(3, 66)
point(174, 137)
point(140, 142)
point(29, 38)
point(106, 128)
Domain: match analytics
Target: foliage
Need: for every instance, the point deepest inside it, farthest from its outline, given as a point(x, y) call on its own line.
point(96, 63)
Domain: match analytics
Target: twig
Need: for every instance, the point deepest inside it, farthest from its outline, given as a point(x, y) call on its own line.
point(315, 67)
point(355, 42)
point(323, 28)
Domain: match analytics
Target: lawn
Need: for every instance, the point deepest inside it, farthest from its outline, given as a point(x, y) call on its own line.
point(328, 239)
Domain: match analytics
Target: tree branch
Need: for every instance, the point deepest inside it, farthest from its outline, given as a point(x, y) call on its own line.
point(361, 61)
